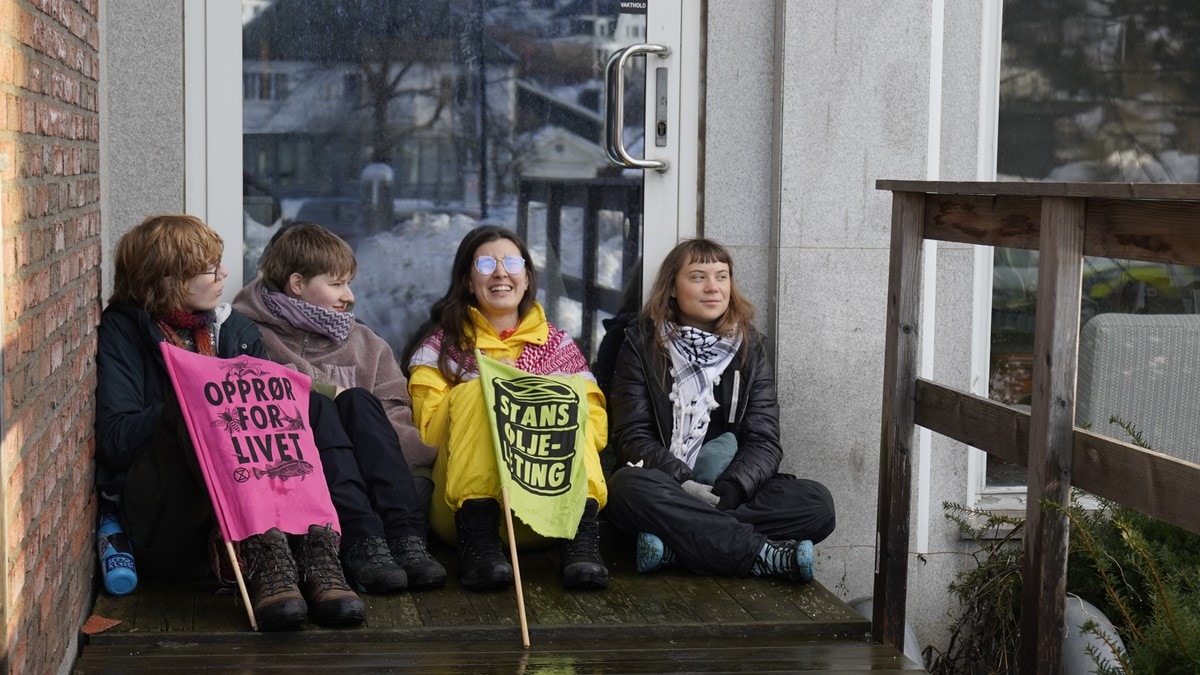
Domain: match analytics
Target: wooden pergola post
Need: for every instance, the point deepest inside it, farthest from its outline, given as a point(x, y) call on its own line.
point(1052, 421)
point(902, 340)
point(1064, 222)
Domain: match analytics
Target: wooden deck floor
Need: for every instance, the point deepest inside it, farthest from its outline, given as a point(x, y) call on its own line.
point(667, 622)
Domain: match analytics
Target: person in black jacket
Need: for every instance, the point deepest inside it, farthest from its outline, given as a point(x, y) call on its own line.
point(168, 283)
point(695, 428)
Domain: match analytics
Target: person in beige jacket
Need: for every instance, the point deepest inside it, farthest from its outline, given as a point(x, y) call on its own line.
point(302, 303)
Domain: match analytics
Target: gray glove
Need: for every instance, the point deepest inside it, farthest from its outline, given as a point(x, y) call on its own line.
point(701, 491)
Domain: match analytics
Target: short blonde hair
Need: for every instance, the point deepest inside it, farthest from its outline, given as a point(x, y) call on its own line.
point(157, 258)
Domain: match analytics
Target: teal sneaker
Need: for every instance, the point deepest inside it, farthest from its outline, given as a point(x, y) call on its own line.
point(790, 559)
point(652, 553)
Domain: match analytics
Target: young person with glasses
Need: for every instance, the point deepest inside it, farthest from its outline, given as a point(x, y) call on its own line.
point(695, 428)
point(167, 288)
point(491, 306)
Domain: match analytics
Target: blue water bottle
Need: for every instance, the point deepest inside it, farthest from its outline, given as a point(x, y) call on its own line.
point(116, 556)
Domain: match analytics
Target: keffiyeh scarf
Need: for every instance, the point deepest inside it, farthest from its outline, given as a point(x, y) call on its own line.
point(307, 316)
point(698, 358)
point(559, 356)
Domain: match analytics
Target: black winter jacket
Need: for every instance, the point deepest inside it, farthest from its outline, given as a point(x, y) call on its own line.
point(641, 416)
point(132, 382)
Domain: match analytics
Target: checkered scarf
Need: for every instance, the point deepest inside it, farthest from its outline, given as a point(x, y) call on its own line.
point(697, 360)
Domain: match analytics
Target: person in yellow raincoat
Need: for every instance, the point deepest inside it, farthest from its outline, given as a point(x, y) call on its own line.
point(491, 306)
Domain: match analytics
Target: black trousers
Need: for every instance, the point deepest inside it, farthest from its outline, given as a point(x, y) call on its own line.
point(707, 540)
point(165, 505)
point(369, 479)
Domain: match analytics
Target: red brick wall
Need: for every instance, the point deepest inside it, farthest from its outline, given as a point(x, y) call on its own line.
point(50, 268)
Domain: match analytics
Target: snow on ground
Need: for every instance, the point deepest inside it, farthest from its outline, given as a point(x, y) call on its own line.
point(403, 271)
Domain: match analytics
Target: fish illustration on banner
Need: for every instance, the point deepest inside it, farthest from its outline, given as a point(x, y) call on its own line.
point(247, 420)
point(539, 425)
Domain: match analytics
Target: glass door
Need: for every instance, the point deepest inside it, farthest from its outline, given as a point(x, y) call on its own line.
point(402, 124)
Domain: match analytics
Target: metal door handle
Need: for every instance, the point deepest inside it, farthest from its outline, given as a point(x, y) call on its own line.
point(614, 107)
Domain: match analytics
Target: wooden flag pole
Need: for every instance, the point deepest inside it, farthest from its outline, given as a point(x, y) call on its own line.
point(237, 573)
point(512, 549)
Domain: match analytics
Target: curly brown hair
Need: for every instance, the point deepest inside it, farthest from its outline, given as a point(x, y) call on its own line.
point(158, 257)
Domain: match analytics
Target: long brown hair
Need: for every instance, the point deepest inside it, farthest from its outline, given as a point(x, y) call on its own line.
point(157, 258)
point(661, 308)
point(452, 313)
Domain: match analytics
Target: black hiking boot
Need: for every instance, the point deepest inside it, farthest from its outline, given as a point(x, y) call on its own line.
point(423, 570)
point(370, 567)
point(582, 566)
point(481, 562)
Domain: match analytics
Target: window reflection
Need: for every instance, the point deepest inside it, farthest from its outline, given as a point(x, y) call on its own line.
point(401, 124)
point(1092, 90)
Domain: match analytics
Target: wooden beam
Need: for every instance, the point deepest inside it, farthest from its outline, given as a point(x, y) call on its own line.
point(1013, 222)
point(1055, 336)
point(896, 433)
point(1158, 485)
point(1155, 231)
point(1139, 191)
point(998, 429)
point(1152, 230)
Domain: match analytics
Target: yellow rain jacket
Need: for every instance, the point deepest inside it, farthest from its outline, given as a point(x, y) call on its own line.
point(453, 419)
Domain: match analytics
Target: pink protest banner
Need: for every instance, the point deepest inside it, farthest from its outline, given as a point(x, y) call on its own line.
point(248, 419)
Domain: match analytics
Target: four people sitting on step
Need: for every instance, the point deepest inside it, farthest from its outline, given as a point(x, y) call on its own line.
point(691, 416)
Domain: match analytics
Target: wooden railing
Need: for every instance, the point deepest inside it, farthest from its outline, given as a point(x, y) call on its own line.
point(1064, 222)
point(622, 195)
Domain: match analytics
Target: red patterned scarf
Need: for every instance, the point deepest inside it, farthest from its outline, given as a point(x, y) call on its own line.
point(189, 330)
point(559, 356)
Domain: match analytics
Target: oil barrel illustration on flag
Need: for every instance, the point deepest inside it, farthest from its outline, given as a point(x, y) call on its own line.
point(539, 425)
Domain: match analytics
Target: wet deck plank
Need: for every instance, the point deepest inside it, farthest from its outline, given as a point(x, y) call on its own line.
point(650, 656)
point(669, 621)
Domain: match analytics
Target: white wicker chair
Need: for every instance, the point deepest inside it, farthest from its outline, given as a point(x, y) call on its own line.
point(1145, 370)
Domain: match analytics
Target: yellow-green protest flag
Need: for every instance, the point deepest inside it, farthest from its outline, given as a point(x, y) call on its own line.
point(539, 425)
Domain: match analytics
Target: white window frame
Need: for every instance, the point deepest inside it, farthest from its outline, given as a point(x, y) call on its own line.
point(213, 112)
point(985, 170)
point(978, 493)
point(1010, 500)
point(213, 115)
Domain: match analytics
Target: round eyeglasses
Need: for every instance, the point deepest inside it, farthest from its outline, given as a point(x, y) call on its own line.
point(486, 264)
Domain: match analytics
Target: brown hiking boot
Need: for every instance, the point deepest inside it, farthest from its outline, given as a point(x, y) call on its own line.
point(330, 600)
point(271, 581)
